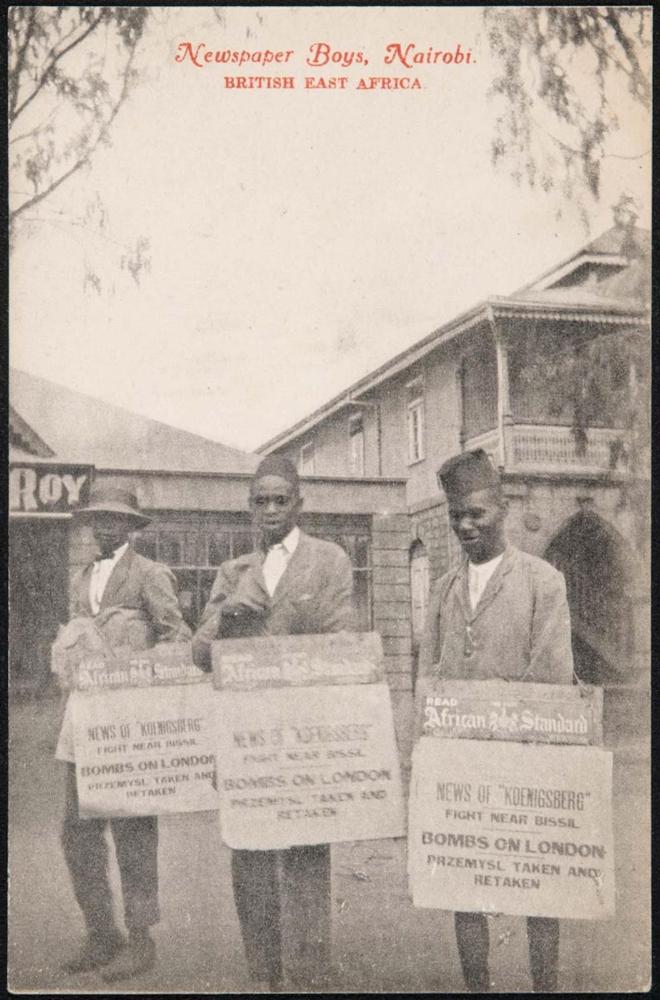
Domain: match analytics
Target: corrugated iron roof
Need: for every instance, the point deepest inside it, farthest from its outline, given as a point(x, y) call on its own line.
point(86, 430)
point(616, 240)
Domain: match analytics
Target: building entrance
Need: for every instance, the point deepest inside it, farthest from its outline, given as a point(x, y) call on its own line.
point(598, 587)
point(39, 599)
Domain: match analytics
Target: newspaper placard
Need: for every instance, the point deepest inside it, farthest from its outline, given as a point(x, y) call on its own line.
point(511, 828)
point(509, 710)
point(316, 768)
point(164, 664)
point(144, 744)
point(293, 660)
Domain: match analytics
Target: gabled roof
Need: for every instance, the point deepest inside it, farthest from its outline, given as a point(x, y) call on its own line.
point(82, 429)
point(22, 437)
point(617, 249)
point(621, 297)
point(616, 241)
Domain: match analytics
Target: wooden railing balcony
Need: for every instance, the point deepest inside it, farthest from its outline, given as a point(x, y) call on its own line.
point(548, 448)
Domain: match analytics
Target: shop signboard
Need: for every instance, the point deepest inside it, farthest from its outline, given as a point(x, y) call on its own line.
point(42, 488)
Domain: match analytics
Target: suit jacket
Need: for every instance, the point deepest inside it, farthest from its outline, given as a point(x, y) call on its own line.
point(519, 630)
point(139, 605)
point(313, 595)
point(139, 608)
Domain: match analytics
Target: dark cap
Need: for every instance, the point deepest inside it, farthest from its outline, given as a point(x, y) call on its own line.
point(112, 500)
point(278, 465)
point(466, 473)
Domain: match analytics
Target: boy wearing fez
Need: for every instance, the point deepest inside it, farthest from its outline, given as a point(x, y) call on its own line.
point(131, 602)
point(501, 613)
point(291, 584)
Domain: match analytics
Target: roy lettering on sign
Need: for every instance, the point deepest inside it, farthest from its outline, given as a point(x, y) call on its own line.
point(46, 489)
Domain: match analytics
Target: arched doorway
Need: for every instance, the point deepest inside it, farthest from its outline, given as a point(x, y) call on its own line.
point(596, 565)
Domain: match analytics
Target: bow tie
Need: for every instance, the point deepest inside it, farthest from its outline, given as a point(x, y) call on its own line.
point(267, 549)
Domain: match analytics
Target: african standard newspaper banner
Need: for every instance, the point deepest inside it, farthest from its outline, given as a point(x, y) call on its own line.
point(305, 742)
point(509, 710)
point(143, 738)
point(504, 827)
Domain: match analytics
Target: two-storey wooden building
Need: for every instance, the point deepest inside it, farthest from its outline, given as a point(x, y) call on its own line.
point(494, 378)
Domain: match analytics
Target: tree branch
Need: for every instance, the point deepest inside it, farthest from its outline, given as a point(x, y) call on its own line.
point(33, 132)
point(65, 223)
point(638, 75)
point(46, 73)
point(85, 158)
point(15, 74)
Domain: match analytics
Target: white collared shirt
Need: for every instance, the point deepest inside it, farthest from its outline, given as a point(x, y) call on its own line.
point(100, 575)
point(277, 559)
point(478, 576)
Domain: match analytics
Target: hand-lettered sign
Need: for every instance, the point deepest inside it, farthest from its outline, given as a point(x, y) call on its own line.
point(142, 735)
point(305, 742)
point(503, 827)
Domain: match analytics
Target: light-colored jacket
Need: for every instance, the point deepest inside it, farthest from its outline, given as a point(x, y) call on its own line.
point(139, 608)
point(313, 595)
point(520, 629)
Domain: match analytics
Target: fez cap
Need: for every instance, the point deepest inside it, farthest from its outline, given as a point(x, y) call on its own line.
point(278, 465)
point(466, 473)
point(112, 500)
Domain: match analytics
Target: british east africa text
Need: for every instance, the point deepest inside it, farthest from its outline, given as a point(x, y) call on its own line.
point(322, 83)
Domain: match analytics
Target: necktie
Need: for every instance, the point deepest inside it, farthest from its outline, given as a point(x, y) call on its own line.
point(274, 566)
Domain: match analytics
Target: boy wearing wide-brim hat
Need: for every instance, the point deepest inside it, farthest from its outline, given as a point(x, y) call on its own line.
point(113, 501)
point(501, 614)
point(131, 602)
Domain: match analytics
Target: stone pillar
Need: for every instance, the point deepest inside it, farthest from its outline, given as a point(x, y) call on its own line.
point(392, 614)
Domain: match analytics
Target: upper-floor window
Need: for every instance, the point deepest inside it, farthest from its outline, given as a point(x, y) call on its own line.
point(356, 445)
point(415, 421)
point(306, 460)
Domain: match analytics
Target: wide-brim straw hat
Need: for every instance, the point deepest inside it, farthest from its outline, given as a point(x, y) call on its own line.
point(111, 500)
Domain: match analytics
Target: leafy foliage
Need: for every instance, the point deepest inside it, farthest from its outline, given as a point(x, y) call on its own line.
point(560, 69)
point(601, 381)
point(70, 71)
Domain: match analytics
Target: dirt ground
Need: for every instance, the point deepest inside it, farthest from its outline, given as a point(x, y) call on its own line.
point(381, 943)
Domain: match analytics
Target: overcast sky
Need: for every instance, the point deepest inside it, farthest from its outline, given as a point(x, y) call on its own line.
point(298, 238)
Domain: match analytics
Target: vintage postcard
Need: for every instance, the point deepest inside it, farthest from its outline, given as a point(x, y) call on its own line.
point(329, 499)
